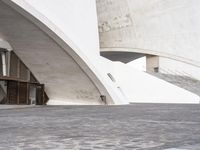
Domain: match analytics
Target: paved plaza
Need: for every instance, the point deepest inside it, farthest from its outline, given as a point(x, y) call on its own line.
point(134, 127)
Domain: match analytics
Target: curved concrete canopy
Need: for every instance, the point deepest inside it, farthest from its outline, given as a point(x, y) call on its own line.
point(68, 78)
point(165, 28)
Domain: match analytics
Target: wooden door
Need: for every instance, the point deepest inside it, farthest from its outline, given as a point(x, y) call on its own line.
point(12, 92)
point(23, 93)
point(40, 94)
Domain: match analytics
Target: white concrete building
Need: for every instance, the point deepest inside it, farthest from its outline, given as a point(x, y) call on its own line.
point(58, 41)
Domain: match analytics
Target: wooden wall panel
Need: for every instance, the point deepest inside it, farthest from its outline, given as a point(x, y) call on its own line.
point(23, 93)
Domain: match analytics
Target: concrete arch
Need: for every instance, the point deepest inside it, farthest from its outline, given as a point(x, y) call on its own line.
point(47, 52)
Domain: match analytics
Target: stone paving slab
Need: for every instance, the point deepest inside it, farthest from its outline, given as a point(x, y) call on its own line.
point(132, 127)
point(15, 106)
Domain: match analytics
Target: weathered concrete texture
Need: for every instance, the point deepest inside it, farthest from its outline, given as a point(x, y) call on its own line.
point(134, 127)
point(167, 28)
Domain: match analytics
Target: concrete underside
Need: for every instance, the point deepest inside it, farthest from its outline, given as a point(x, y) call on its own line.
point(124, 57)
point(134, 127)
point(65, 81)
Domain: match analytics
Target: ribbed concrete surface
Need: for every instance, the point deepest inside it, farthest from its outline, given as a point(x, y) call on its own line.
point(134, 127)
point(185, 82)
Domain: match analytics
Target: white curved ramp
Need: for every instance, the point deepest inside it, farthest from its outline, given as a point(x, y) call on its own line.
point(140, 87)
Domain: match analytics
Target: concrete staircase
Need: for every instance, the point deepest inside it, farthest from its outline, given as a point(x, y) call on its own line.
point(185, 82)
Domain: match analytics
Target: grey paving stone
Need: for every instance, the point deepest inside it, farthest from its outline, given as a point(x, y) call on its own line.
point(134, 127)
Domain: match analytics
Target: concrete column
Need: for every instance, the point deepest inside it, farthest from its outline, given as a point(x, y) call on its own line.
point(3, 55)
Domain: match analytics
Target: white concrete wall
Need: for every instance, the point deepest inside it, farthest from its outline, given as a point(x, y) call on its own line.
point(167, 28)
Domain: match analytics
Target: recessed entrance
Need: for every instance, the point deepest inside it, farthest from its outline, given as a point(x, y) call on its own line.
point(18, 86)
point(21, 93)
